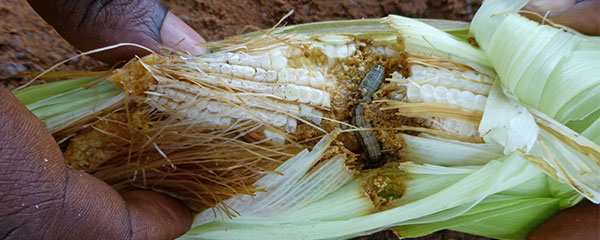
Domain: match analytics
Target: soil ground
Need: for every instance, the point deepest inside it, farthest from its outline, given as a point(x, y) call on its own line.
point(28, 44)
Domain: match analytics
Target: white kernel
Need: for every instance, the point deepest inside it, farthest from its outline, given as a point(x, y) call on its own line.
point(234, 59)
point(430, 73)
point(445, 76)
point(246, 60)
point(291, 125)
point(213, 108)
point(214, 67)
point(293, 52)
point(291, 93)
point(453, 96)
point(417, 75)
point(466, 99)
point(260, 75)
point(464, 129)
point(329, 51)
point(449, 124)
point(224, 121)
point(428, 93)
point(286, 75)
point(441, 94)
point(264, 61)
point(390, 52)
point(278, 61)
point(302, 75)
point(413, 92)
point(470, 86)
point(316, 97)
point(326, 101)
point(304, 94)
point(351, 48)
point(469, 75)
point(318, 80)
point(480, 102)
point(274, 137)
point(226, 69)
point(243, 71)
point(341, 51)
point(398, 95)
point(316, 116)
point(458, 83)
point(314, 82)
point(416, 68)
point(277, 120)
point(271, 76)
point(483, 89)
point(477, 77)
point(397, 75)
point(485, 78)
point(305, 111)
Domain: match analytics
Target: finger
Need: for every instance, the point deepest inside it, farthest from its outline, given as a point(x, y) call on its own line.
point(92, 209)
point(579, 222)
point(92, 24)
point(156, 216)
point(552, 6)
point(41, 198)
point(39, 195)
point(583, 17)
point(175, 33)
point(26, 168)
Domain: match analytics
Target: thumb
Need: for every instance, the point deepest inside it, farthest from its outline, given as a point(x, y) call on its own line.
point(92, 24)
point(42, 199)
point(156, 216)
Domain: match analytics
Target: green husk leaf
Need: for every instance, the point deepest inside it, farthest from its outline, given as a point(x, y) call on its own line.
point(489, 218)
point(60, 104)
point(551, 72)
point(424, 39)
point(510, 214)
point(446, 152)
point(507, 123)
point(47, 90)
point(428, 190)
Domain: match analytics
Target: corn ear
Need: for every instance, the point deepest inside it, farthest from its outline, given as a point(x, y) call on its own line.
point(257, 136)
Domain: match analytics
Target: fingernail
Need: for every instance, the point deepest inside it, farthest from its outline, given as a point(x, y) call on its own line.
point(178, 35)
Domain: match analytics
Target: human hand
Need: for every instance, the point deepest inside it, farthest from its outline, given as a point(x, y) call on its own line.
point(40, 198)
point(583, 16)
point(577, 223)
point(93, 24)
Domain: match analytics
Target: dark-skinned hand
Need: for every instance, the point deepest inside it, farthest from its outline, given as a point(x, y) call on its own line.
point(42, 199)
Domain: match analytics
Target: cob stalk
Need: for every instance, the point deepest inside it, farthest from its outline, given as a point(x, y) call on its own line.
point(257, 136)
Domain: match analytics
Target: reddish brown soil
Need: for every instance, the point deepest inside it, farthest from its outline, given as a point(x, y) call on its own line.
point(217, 19)
point(28, 44)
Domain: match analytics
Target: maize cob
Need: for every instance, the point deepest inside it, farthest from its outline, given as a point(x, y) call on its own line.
point(466, 90)
point(283, 93)
point(212, 129)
